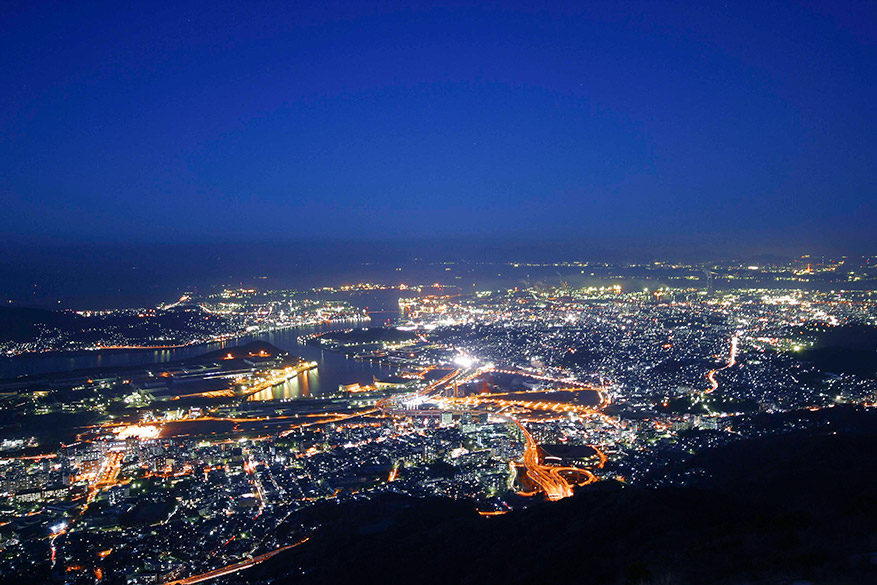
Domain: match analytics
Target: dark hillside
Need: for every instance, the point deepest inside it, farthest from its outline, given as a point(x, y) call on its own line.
point(23, 323)
point(849, 349)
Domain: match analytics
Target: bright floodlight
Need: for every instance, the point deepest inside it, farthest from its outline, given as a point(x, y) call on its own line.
point(142, 432)
point(465, 361)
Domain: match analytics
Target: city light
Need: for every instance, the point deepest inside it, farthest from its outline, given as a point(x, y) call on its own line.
point(464, 361)
point(141, 432)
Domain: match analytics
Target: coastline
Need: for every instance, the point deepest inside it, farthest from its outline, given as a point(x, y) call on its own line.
point(59, 361)
point(191, 344)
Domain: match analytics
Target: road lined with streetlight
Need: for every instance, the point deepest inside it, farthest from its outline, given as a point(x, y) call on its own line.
point(556, 482)
point(732, 360)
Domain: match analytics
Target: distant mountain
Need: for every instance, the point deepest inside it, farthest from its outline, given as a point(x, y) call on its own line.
point(62, 330)
point(23, 323)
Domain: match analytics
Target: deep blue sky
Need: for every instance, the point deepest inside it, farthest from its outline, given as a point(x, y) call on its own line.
point(608, 120)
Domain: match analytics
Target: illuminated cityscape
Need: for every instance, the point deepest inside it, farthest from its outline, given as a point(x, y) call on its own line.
point(497, 398)
point(438, 293)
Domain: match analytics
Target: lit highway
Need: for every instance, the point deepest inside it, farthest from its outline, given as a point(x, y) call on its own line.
point(554, 481)
point(732, 360)
point(552, 484)
point(233, 568)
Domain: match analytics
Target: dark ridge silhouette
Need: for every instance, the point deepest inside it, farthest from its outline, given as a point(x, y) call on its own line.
point(839, 360)
point(23, 323)
point(849, 349)
point(855, 336)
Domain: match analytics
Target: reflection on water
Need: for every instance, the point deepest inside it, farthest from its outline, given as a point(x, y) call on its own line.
point(296, 387)
point(333, 369)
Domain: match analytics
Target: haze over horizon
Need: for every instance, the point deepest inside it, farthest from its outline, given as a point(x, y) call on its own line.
point(706, 129)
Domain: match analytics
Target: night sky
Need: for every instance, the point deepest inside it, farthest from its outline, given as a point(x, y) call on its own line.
point(752, 123)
